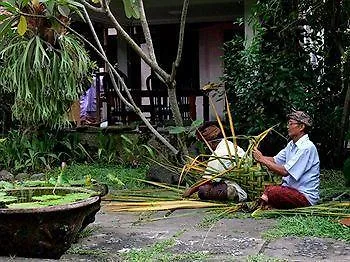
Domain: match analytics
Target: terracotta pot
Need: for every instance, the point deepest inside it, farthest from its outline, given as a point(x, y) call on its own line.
point(45, 232)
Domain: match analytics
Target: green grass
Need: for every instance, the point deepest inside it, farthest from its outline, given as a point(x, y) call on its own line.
point(304, 226)
point(88, 232)
point(214, 215)
point(160, 252)
point(98, 254)
point(332, 184)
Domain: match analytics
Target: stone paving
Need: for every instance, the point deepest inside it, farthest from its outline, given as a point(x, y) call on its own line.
point(226, 240)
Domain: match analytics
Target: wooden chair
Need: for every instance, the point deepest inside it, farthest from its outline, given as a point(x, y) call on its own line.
point(159, 102)
point(117, 112)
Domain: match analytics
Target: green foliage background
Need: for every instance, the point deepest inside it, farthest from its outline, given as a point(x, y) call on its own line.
point(274, 73)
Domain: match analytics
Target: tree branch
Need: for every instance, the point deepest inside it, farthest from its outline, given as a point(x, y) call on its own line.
point(137, 49)
point(146, 32)
point(133, 105)
point(112, 71)
point(91, 7)
point(181, 40)
point(125, 88)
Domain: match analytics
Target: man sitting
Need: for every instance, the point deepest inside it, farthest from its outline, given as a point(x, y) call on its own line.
point(298, 164)
point(218, 162)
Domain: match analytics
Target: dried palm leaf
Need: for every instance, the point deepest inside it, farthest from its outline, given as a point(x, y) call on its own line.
point(332, 209)
point(175, 189)
point(158, 206)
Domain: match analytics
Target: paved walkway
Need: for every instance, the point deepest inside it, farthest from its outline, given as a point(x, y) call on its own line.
point(225, 240)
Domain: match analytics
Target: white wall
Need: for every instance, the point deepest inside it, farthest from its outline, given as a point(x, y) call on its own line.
point(210, 65)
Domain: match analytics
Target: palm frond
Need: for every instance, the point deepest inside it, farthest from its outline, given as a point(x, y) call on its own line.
point(331, 209)
point(158, 206)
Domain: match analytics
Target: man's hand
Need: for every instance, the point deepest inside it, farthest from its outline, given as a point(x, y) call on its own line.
point(258, 156)
point(269, 162)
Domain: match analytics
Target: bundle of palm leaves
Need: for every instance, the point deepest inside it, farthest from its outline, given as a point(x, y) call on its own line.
point(330, 209)
point(166, 198)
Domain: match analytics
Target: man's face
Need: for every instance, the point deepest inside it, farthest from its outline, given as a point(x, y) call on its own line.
point(294, 128)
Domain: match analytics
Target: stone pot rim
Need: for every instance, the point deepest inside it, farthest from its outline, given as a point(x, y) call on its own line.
point(56, 208)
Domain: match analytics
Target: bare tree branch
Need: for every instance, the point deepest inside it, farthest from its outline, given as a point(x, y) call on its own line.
point(125, 88)
point(135, 109)
point(134, 106)
point(181, 40)
point(146, 31)
point(150, 59)
point(137, 49)
point(93, 8)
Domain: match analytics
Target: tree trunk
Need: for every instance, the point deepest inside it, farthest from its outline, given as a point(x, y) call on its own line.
point(174, 106)
point(345, 115)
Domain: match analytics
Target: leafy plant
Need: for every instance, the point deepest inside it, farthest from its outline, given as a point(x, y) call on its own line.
point(32, 151)
point(346, 171)
point(25, 151)
point(135, 152)
point(262, 82)
point(189, 131)
point(44, 67)
point(108, 147)
point(272, 72)
point(73, 148)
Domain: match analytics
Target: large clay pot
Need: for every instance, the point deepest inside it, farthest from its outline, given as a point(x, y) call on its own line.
point(45, 232)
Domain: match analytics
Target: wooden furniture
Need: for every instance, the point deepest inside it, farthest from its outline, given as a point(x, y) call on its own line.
point(157, 110)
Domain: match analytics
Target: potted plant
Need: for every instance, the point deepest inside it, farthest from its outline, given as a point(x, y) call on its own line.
point(46, 69)
point(42, 221)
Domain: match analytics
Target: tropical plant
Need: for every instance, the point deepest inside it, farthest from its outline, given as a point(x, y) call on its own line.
point(263, 88)
point(296, 58)
point(133, 9)
point(135, 152)
point(73, 148)
point(58, 12)
point(188, 133)
point(33, 151)
point(43, 66)
point(108, 147)
point(26, 151)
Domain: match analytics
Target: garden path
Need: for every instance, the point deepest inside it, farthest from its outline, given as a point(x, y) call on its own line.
point(226, 240)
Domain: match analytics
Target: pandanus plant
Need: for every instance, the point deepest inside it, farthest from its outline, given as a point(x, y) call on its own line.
point(42, 65)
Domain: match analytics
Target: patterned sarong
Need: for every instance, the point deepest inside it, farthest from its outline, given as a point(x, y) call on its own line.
point(283, 197)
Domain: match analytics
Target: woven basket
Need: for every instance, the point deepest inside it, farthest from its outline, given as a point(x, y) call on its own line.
point(253, 182)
